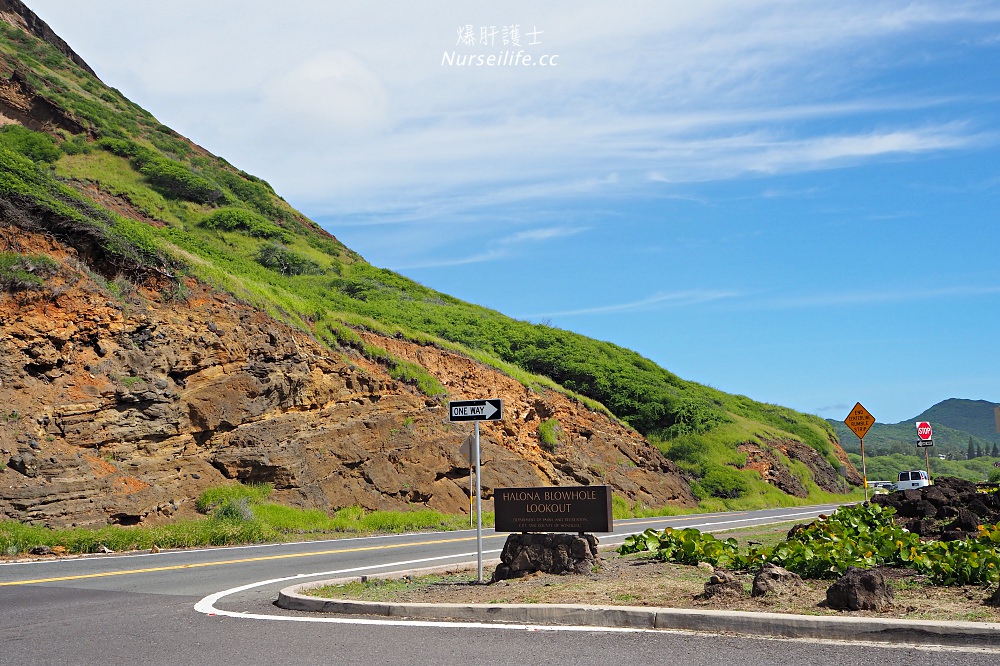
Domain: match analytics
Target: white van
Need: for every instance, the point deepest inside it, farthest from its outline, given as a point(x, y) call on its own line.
point(916, 478)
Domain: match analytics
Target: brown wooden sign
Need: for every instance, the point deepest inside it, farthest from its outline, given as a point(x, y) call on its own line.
point(553, 509)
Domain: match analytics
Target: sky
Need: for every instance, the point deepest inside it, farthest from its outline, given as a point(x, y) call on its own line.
point(792, 201)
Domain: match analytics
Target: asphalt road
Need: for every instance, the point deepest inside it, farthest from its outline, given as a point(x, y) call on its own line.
point(216, 606)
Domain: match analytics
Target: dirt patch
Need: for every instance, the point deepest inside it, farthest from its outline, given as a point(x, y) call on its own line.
point(642, 581)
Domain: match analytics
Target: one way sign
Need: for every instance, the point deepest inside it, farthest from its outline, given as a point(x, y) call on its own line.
point(476, 410)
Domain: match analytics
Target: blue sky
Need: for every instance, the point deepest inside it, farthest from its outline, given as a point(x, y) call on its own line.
point(794, 201)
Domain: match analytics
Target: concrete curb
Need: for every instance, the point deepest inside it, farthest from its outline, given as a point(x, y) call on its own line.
point(876, 630)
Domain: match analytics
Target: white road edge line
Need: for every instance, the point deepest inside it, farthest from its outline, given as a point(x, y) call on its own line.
point(207, 604)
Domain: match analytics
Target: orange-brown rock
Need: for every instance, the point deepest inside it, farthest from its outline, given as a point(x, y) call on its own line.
point(124, 409)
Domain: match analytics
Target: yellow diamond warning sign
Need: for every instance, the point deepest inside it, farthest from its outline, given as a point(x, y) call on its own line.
point(859, 420)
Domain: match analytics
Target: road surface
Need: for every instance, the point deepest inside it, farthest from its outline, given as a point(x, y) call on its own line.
point(216, 606)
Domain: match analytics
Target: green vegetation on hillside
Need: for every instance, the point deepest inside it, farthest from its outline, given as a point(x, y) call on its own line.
point(975, 417)
point(963, 430)
point(886, 468)
point(212, 221)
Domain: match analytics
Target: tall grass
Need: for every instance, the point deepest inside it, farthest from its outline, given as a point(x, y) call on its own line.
point(236, 514)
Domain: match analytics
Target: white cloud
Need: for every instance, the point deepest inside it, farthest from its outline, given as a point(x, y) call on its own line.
point(538, 235)
point(346, 108)
point(654, 302)
point(875, 297)
point(331, 91)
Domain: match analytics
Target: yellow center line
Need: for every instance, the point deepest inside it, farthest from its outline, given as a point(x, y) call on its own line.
point(264, 558)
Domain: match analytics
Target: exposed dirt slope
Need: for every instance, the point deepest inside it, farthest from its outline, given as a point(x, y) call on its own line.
point(124, 409)
point(121, 404)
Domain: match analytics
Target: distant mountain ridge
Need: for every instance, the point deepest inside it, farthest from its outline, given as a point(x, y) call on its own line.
point(975, 417)
point(955, 421)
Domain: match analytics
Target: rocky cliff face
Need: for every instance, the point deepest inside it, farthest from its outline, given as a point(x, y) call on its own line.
point(121, 404)
point(123, 407)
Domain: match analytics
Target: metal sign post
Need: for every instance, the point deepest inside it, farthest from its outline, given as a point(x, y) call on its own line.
point(477, 410)
point(925, 440)
point(479, 511)
point(860, 420)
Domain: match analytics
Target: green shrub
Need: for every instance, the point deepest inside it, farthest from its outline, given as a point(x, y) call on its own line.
point(128, 149)
point(233, 509)
point(170, 178)
point(973, 561)
point(233, 494)
point(415, 375)
point(251, 190)
point(173, 179)
point(245, 221)
point(548, 434)
point(694, 416)
point(36, 146)
point(20, 272)
point(686, 450)
point(76, 145)
point(724, 482)
point(282, 260)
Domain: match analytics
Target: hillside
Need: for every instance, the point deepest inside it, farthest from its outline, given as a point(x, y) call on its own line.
point(168, 323)
point(975, 417)
point(955, 421)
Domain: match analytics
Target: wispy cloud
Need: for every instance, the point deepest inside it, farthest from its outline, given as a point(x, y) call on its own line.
point(656, 301)
point(537, 235)
point(351, 112)
point(747, 301)
point(875, 297)
point(478, 258)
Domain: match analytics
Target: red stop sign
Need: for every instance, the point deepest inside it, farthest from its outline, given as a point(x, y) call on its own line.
point(924, 430)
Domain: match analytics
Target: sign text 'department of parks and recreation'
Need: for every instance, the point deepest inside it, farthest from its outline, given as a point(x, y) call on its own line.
point(553, 509)
point(859, 420)
point(476, 410)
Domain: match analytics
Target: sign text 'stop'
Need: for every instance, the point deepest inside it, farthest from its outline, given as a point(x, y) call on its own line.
point(924, 431)
point(859, 420)
point(476, 410)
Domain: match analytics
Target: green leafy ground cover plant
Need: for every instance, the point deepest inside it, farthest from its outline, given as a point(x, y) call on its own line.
point(863, 536)
point(641, 580)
